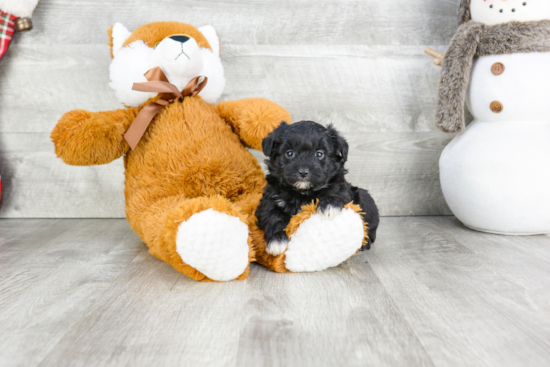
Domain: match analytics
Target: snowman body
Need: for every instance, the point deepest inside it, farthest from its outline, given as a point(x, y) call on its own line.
point(495, 175)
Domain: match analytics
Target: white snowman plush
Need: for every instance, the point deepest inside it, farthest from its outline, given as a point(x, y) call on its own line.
point(495, 174)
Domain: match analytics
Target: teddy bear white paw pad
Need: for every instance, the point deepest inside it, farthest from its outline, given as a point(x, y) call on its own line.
point(214, 243)
point(321, 242)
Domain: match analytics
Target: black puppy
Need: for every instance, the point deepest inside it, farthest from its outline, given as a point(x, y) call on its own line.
point(306, 163)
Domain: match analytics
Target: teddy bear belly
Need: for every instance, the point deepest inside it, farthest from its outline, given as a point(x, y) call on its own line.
point(194, 155)
point(495, 177)
point(196, 176)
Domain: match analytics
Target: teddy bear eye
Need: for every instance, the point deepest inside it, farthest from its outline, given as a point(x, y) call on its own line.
point(320, 154)
point(290, 154)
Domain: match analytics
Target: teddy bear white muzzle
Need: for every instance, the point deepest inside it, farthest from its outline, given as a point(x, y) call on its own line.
point(178, 55)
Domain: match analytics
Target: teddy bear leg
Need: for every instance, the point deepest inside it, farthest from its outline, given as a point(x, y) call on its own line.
point(318, 242)
point(205, 238)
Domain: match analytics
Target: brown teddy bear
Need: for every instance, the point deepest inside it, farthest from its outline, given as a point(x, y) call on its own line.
point(191, 184)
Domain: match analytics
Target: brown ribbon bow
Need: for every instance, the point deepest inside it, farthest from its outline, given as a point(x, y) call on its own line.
point(157, 82)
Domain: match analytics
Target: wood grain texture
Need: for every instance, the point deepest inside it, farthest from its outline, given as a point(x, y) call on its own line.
point(52, 271)
point(399, 169)
point(430, 293)
point(455, 289)
point(358, 88)
point(299, 22)
point(356, 63)
point(38, 184)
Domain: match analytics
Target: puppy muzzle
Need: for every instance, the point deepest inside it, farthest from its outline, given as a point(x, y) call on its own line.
point(302, 185)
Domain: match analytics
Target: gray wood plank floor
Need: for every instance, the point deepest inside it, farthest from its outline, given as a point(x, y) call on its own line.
point(77, 292)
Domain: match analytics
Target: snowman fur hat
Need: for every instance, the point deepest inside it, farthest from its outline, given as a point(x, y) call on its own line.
point(464, 11)
point(472, 40)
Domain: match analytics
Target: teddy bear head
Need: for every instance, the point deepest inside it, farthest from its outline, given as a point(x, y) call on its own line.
point(493, 12)
point(181, 50)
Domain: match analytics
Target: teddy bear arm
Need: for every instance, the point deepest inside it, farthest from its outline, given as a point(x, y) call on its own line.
point(84, 138)
point(253, 119)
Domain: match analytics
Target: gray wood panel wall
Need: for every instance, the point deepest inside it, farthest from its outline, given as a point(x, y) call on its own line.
point(356, 63)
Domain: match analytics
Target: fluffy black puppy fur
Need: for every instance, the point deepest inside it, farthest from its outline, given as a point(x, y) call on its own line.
point(306, 163)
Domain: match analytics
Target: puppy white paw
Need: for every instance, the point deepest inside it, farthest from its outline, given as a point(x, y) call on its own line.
point(330, 212)
point(276, 248)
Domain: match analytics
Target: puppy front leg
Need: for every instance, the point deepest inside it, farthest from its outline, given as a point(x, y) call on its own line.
point(273, 221)
point(276, 238)
point(332, 201)
point(330, 206)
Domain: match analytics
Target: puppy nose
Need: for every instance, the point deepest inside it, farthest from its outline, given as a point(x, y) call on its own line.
point(181, 39)
point(303, 172)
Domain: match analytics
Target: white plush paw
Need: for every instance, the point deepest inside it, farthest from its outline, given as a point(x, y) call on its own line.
point(321, 242)
point(330, 212)
point(276, 248)
point(214, 243)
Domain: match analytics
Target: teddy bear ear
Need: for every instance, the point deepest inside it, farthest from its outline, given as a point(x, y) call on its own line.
point(212, 37)
point(118, 34)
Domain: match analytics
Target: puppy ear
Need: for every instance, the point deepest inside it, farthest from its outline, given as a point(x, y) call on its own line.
point(273, 139)
point(340, 144)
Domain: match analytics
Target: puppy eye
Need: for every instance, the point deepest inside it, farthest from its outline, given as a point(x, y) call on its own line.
point(320, 154)
point(290, 154)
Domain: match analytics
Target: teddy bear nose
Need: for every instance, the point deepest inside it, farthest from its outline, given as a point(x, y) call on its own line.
point(181, 39)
